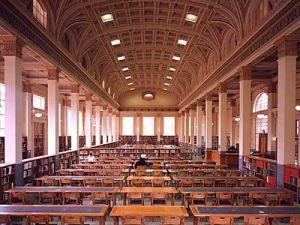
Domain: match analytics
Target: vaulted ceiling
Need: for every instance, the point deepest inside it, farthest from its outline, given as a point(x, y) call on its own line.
point(149, 32)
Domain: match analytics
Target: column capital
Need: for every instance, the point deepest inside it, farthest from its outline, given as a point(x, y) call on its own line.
point(232, 102)
point(208, 97)
point(53, 73)
point(104, 107)
point(222, 88)
point(98, 103)
point(245, 72)
point(286, 47)
point(187, 110)
point(74, 88)
point(88, 96)
point(27, 87)
point(12, 46)
point(138, 114)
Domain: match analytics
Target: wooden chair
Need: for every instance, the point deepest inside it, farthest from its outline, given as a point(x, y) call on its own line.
point(220, 220)
point(235, 173)
point(63, 173)
point(72, 220)
point(171, 220)
point(132, 220)
point(233, 183)
point(140, 173)
point(257, 199)
point(198, 198)
point(37, 219)
point(286, 198)
point(48, 198)
point(107, 182)
point(224, 199)
point(157, 173)
point(183, 173)
point(186, 183)
point(137, 183)
point(220, 173)
point(71, 198)
point(295, 220)
point(208, 183)
point(89, 182)
point(135, 198)
point(256, 220)
point(159, 199)
point(48, 182)
point(100, 198)
point(78, 173)
point(158, 183)
point(141, 167)
point(18, 198)
point(5, 220)
point(198, 173)
point(65, 182)
point(250, 183)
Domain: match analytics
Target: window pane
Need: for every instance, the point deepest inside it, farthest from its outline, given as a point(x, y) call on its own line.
point(261, 102)
point(169, 126)
point(148, 125)
point(38, 102)
point(127, 125)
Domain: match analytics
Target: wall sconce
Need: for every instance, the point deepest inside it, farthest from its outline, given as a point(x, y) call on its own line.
point(38, 115)
point(237, 119)
point(274, 138)
point(158, 130)
point(297, 107)
point(202, 125)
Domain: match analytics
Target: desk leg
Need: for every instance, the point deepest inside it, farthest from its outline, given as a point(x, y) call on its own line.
point(114, 199)
point(116, 220)
point(102, 220)
point(183, 199)
point(196, 220)
point(173, 199)
point(124, 199)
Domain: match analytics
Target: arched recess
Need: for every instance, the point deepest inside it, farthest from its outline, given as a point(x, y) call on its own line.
point(229, 43)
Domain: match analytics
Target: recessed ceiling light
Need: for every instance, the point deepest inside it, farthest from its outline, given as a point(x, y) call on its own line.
point(129, 84)
point(165, 89)
point(176, 58)
point(120, 58)
point(124, 69)
point(191, 18)
point(115, 42)
point(167, 84)
point(172, 69)
point(169, 77)
point(182, 42)
point(131, 89)
point(107, 17)
point(127, 77)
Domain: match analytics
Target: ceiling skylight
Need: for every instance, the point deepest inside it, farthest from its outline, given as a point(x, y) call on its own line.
point(191, 18)
point(172, 69)
point(127, 77)
point(129, 84)
point(120, 58)
point(169, 77)
point(107, 17)
point(176, 58)
point(182, 42)
point(124, 69)
point(167, 84)
point(115, 42)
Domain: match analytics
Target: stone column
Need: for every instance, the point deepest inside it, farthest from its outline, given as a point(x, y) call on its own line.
point(222, 119)
point(104, 125)
point(158, 126)
point(199, 123)
point(109, 127)
point(182, 132)
point(28, 118)
point(53, 117)
point(75, 116)
point(98, 122)
point(287, 53)
point(138, 126)
point(208, 122)
point(271, 119)
point(64, 120)
point(117, 126)
point(192, 126)
point(245, 113)
point(88, 119)
point(186, 126)
point(231, 121)
point(113, 127)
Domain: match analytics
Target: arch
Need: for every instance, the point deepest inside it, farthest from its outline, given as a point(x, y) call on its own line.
point(40, 12)
point(261, 102)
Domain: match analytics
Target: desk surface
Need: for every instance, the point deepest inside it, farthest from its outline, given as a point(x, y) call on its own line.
point(129, 178)
point(37, 189)
point(216, 178)
point(170, 190)
point(148, 170)
point(55, 210)
point(200, 211)
point(81, 177)
point(151, 210)
point(186, 190)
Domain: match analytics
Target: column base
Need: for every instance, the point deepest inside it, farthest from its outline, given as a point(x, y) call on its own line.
point(57, 163)
point(241, 161)
point(19, 181)
point(280, 175)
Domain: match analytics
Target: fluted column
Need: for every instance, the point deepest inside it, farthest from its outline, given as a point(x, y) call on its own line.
point(88, 119)
point(222, 119)
point(98, 122)
point(104, 124)
point(75, 117)
point(208, 122)
point(192, 126)
point(186, 126)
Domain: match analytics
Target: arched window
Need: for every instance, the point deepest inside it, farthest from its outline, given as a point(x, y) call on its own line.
point(261, 119)
point(261, 102)
point(40, 13)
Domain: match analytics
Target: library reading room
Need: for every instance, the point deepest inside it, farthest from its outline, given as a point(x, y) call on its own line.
point(150, 112)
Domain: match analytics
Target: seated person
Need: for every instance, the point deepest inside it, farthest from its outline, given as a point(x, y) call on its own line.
point(142, 161)
point(90, 157)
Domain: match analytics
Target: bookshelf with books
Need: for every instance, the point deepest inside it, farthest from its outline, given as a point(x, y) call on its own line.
point(81, 141)
point(2, 150)
point(68, 158)
point(25, 151)
point(62, 144)
point(292, 180)
point(7, 176)
point(39, 137)
point(263, 168)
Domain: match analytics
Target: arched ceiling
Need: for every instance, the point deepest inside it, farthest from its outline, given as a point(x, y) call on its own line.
point(149, 31)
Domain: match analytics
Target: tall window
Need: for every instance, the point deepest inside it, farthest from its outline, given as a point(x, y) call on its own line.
point(127, 125)
point(148, 126)
point(2, 110)
point(261, 119)
point(169, 126)
point(38, 102)
point(40, 13)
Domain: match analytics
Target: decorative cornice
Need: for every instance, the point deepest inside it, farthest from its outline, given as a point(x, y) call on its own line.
point(279, 22)
point(75, 88)
point(18, 23)
point(53, 74)
point(12, 46)
point(286, 47)
point(245, 72)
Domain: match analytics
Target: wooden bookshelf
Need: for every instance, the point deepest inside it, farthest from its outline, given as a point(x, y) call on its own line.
point(292, 180)
point(25, 151)
point(39, 138)
point(7, 176)
point(81, 141)
point(68, 158)
point(263, 168)
point(62, 144)
point(2, 150)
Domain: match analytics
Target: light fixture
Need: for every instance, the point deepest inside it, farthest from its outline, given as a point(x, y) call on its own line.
point(169, 77)
point(261, 116)
point(148, 95)
point(124, 69)
point(38, 115)
point(176, 58)
point(236, 119)
point(120, 58)
point(107, 17)
point(165, 89)
point(182, 42)
point(172, 69)
point(127, 77)
point(274, 138)
point(297, 107)
point(167, 84)
point(115, 42)
point(202, 125)
point(131, 89)
point(129, 84)
point(191, 18)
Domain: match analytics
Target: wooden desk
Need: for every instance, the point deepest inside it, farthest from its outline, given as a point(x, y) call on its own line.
point(148, 190)
point(119, 179)
point(41, 189)
point(241, 211)
point(186, 191)
point(147, 211)
point(195, 166)
point(146, 178)
point(148, 171)
point(102, 166)
point(88, 171)
point(207, 172)
point(55, 210)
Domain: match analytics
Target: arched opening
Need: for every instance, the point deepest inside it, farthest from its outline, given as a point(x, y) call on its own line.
point(40, 13)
